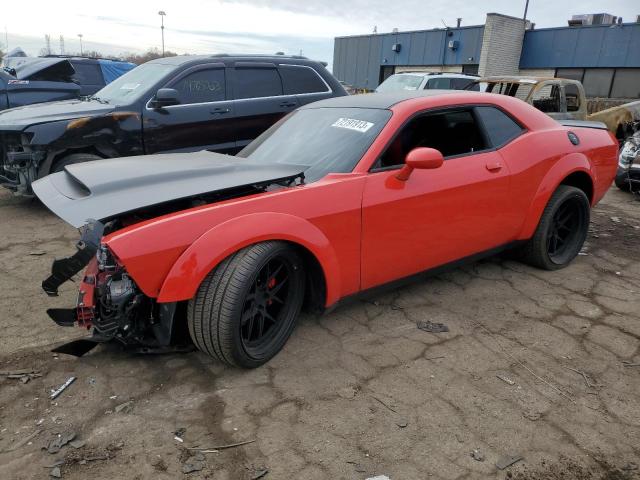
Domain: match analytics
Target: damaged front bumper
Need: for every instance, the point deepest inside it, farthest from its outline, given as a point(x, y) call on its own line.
point(19, 163)
point(109, 302)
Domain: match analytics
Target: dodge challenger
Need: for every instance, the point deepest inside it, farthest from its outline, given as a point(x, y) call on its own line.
point(338, 198)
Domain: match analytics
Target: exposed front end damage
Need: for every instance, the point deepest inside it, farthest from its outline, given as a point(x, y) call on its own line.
point(19, 163)
point(122, 193)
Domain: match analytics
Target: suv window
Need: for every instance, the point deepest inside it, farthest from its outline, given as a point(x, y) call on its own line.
point(257, 82)
point(498, 125)
point(452, 133)
point(463, 83)
point(438, 84)
point(572, 95)
point(201, 86)
point(88, 73)
point(301, 79)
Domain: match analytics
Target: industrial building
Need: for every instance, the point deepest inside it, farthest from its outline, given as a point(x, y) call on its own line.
point(598, 50)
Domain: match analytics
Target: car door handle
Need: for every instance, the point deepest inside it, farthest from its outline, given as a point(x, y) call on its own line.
point(288, 104)
point(494, 166)
point(220, 111)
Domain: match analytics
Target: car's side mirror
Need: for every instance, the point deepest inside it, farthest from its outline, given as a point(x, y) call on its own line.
point(421, 158)
point(165, 97)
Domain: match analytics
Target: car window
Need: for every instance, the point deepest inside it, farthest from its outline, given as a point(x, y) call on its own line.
point(452, 132)
point(498, 125)
point(547, 98)
point(320, 140)
point(201, 86)
point(257, 82)
point(463, 83)
point(438, 84)
point(400, 82)
point(87, 73)
point(572, 94)
point(301, 79)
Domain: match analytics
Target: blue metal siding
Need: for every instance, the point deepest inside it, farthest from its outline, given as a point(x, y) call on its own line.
point(584, 47)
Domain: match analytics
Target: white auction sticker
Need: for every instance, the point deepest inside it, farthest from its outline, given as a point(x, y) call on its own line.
point(353, 124)
point(129, 86)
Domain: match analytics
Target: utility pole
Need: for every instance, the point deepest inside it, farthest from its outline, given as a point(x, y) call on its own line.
point(162, 15)
point(80, 37)
point(526, 9)
point(6, 38)
point(47, 42)
point(61, 45)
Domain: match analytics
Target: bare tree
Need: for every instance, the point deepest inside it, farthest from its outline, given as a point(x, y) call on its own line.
point(151, 54)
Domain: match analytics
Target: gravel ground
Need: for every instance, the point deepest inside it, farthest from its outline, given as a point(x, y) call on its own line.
point(533, 365)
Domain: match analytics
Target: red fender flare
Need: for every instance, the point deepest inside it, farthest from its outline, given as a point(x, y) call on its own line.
point(574, 162)
point(218, 243)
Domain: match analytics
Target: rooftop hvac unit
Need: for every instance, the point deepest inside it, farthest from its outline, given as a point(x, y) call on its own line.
point(592, 19)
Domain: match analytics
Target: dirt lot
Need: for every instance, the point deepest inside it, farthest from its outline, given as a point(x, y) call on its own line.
point(356, 393)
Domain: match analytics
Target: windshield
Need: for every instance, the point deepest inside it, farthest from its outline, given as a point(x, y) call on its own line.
point(133, 84)
point(400, 82)
point(326, 140)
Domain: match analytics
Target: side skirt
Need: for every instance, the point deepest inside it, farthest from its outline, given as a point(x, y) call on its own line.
point(431, 272)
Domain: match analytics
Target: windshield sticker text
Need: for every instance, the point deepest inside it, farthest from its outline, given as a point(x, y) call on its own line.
point(129, 86)
point(353, 124)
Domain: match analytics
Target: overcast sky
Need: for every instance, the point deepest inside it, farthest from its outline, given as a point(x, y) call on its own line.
point(258, 26)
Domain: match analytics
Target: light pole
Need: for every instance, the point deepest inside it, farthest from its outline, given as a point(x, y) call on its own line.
point(80, 37)
point(162, 14)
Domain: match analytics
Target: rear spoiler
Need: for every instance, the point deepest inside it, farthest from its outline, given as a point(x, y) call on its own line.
point(583, 124)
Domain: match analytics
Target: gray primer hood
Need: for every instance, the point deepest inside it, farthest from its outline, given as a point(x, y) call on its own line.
point(103, 189)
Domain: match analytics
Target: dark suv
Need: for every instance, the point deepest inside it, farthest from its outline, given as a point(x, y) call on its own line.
point(178, 104)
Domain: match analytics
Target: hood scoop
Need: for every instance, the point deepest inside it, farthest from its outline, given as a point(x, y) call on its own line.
point(104, 189)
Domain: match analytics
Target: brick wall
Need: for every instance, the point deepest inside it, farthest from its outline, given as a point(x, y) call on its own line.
point(501, 45)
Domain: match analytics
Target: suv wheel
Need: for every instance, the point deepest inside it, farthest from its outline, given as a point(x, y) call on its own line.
point(73, 158)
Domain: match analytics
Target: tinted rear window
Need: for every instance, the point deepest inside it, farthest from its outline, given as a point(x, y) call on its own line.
point(498, 125)
point(88, 73)
point(257, 82)
point(300, 79)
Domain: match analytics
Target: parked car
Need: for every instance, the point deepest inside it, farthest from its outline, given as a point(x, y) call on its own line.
point(628, 174)
point(428, 81)
point(341, 197)
point(185, 103)
point(563, 98)
point(28, 80)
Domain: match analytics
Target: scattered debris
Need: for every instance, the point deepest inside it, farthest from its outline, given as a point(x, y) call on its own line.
point(55, 473)
point(435, 358)
point(57, 463)
point(631, 466)
point(532, 415)
point(384, 404)
point(180, 432)
point(221, 447)
point(378, 477)
point(37, 253)
point(125, 407)
point(615, 219)
point(626, 363)
point(505, 379)
point(23, 375)
point(583, 253)
point(260, 474)
point(178, 439)
point(22, 442)
point(357, 467)
point(585, 377)
point(59, 441)
point(194, 464)
point(427, 326)
point(477, 455)
point(507, 461)
point(55, 393)
point(159, 464)
point(91, 381)
point(77, 443)
point(402, 423)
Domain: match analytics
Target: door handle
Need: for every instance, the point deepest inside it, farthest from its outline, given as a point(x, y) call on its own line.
point(220, 111)
point(494, 166)
point(288, 104)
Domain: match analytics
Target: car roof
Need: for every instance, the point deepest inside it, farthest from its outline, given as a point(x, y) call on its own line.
point(223, 57)
point(381, 100)
point(437, 74)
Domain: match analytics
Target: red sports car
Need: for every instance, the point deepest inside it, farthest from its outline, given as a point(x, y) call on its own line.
point(341, 196)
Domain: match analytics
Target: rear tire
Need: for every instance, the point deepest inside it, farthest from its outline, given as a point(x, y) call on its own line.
point(622, 181)
point(73, 159)
point(246, 308)
point(561, 232)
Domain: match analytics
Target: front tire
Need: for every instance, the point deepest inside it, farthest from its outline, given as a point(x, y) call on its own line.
point(72, 159)
point(562, 230)
point(246, 308)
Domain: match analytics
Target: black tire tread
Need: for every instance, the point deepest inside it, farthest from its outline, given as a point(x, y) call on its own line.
point(73, 158)
point(532, 251)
